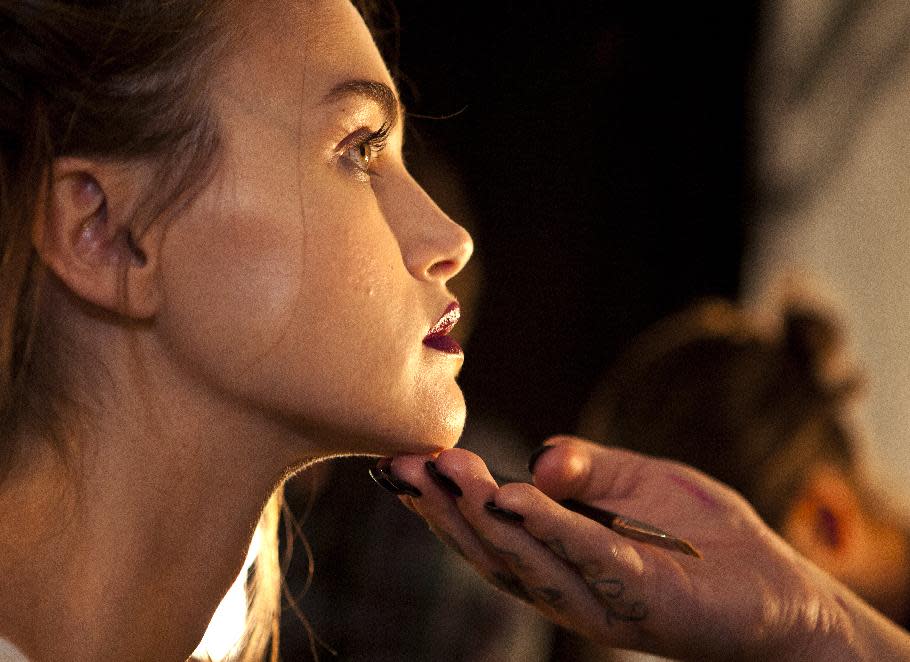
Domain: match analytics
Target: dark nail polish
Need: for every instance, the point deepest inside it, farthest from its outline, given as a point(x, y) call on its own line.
point(503, 513)
point(532, 461)
point(391, 483)
point(443, 481)
point(380, 480)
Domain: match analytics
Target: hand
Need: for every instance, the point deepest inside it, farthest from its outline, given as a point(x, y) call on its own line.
point(750, 596)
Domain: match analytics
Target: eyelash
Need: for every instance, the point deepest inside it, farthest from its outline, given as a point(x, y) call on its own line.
point(376, 141)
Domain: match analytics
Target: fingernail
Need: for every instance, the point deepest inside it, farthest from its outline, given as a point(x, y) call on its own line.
point(443, 481)
point(532, 461)
point(503, 513)
point(391, 483)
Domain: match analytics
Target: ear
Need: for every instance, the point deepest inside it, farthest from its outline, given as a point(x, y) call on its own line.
point(826, 522)
point(83, 234)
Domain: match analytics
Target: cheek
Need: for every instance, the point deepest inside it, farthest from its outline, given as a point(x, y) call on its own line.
point(227, 281)
point(313, 315)
point(354, 318)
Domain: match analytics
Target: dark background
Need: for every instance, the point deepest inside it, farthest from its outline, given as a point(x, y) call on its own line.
point(602, 148)
point(598, 153)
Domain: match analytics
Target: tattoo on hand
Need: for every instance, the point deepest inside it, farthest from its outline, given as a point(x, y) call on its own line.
point(512, 557)
point(589, 568)
point(549, 596)
point(512, 584)
point(610, 591)
point(607, 588)
point(557, 547)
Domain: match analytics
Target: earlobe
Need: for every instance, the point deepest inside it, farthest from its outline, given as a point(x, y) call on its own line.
point(83, 234)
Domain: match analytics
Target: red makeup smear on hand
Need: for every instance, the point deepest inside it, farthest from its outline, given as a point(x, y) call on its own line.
point(695, 491)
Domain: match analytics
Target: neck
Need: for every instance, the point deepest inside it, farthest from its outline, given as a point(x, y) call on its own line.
point(126, 553)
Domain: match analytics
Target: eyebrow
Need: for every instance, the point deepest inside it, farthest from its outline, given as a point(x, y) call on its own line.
point(379, 93)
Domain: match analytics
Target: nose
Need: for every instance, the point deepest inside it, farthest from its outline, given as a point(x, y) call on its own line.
point(433, 246)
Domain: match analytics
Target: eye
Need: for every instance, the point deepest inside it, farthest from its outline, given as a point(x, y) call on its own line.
point(364, 150)
point(361, 155)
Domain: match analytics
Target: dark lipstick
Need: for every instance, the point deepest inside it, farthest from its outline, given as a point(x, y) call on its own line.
point(438, 336)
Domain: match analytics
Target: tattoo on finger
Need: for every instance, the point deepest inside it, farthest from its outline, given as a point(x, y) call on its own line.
point(589, 569)
point(626, 612)
point(551, 597)
point(557, 547)
point(509, 556)
point(513, 585)
point(610, 592)
point(607, 588)
point(547, 595)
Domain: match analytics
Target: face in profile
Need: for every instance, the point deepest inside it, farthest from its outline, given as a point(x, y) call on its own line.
point(303, 281)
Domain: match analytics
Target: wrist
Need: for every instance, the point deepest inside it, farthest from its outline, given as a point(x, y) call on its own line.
point(852, 630)
point(831, 638)
point(823, 625)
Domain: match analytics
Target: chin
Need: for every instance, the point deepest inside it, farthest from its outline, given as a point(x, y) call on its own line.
point(451, 423)
point(412, 429)
point(434, 431)
point(454, 426)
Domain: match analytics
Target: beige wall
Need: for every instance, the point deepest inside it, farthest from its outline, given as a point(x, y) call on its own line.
point(835, 212)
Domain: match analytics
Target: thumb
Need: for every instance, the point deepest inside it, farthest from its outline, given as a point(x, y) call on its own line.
point(569, 467)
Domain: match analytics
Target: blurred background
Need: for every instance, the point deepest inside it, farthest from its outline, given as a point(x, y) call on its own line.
point(601, 150)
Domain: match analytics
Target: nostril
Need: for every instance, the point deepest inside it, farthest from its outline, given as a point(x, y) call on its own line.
point(442, 269)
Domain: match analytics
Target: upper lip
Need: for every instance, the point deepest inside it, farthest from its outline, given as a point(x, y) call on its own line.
point(444, 324)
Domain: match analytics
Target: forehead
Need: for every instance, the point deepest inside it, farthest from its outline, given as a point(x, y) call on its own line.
point(338, 40)
point(292, 54)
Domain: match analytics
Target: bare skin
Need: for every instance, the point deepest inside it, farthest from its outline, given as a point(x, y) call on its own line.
point(277, 320)
point(749, 597)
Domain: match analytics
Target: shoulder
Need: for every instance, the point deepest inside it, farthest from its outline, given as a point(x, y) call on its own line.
point(9, 653)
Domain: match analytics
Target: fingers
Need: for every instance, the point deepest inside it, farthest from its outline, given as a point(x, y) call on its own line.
point(535, 567)
point(438, 507)
point(611, 567)
point(620, 592)
point(580, 541)
point(551, 584)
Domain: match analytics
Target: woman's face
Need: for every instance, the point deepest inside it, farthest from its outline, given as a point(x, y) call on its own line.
point(305, 278)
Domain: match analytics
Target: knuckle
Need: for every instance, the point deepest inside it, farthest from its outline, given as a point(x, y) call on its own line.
point(524, 493)
point(457, 458)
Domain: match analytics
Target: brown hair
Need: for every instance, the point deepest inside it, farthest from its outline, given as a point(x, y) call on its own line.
point(711, 388)
point(122, 80)
point(109, 80)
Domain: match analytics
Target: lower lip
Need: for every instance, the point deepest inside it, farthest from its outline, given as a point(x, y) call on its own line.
point(445, 344)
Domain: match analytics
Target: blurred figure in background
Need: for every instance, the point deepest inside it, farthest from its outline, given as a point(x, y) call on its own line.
point(832, 110)
point(763, 410)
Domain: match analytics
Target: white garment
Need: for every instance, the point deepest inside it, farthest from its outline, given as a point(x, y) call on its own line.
point(9, 653)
